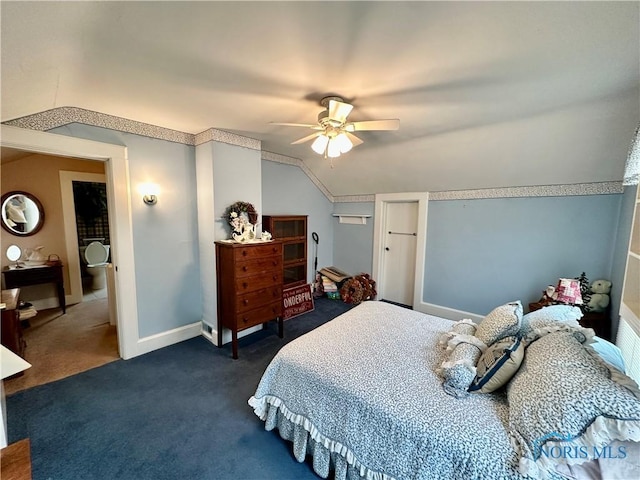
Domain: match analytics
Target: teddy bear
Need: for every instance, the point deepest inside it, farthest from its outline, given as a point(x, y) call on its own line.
point(599, 295)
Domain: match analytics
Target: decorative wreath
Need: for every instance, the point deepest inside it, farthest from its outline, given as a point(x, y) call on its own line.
point(358, 289)
point(239, 214)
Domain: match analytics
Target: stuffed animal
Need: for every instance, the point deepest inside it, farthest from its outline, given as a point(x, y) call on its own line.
point(600, 295)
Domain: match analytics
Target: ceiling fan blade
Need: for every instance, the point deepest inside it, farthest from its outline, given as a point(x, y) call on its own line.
point(391, 124)
point(354, 140)
point(306, 125)
point(338, 111)
point(307, 138)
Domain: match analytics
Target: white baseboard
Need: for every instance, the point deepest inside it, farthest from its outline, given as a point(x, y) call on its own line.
point(164, 339)
point(449, 313)
point(212, 335)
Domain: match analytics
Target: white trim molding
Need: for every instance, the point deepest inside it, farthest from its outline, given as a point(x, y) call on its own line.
point(449, 313)
point(72, 242)
point(170, 337)
point(421, 239)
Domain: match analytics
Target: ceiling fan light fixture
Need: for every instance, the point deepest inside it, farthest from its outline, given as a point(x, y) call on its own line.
point(343, 143)
point(333, 149)
point(320, 144)
point(334, 135)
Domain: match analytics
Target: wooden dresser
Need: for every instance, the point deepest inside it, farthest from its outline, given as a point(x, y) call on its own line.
point(249, 287)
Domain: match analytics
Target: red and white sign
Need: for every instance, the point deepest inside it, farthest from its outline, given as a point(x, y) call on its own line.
point(296, 301)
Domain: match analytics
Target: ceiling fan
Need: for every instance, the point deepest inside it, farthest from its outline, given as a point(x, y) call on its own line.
point(333, 135)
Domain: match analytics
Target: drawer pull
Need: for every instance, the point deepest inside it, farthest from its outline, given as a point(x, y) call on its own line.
point(245, 319)
point(244, 253)
point(245, 284)
point(245, 301)
point(244, 269)
point(275, 277)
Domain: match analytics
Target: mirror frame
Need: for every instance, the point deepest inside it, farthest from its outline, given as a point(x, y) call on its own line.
point(38, 225)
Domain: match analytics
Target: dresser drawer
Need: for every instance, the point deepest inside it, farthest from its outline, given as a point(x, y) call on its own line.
point(256, 299)
point(260, 315)
point(258, 265)
point(250, 284)
point(255, 251)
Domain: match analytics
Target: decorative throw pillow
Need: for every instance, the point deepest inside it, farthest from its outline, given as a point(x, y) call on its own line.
point(459, 369)
point(562, 399)
point(568, 291)
point(549, 316)
point(501, 322)
point(464, 327)
point(498, 364)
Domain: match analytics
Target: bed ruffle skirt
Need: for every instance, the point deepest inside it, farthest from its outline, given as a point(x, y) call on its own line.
point(327, 454)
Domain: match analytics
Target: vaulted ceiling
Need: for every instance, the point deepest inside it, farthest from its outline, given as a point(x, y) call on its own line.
point(488, 94)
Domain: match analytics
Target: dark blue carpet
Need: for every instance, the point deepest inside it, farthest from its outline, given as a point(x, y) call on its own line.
point(177, 413)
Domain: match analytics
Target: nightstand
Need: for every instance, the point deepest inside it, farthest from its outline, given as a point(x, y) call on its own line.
point(600, 322)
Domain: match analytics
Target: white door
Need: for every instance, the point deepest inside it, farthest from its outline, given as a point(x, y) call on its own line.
point(399, 256)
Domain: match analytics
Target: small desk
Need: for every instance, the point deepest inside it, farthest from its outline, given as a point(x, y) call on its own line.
point(25, 276)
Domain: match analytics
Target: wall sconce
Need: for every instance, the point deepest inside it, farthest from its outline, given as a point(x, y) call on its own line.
point(150, 199)
point(149, 193)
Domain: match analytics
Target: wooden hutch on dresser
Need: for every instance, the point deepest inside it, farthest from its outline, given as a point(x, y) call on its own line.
point(292, 231)
point(249, 286)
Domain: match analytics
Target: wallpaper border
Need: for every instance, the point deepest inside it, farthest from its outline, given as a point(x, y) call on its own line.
point(60, 116)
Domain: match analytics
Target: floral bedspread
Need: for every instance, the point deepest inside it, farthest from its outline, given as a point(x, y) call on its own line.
point(361, 395)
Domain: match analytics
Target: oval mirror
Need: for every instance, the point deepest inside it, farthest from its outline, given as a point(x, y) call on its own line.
point(22, 213)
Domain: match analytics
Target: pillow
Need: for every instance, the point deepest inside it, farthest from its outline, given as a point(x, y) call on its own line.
point(550, 316)
point(609, 352)
point(459, 369)
point(564, 408)
point(568, 291)
point(498, 364)
point(501, 322)
point(465, 327)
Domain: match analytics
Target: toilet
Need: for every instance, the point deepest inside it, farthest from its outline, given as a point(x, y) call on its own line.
point(96, 255)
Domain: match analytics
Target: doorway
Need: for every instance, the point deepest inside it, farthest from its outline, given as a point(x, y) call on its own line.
point(399, 247)
point(116, 169)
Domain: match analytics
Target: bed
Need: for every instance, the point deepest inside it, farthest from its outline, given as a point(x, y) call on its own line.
point(363, 396)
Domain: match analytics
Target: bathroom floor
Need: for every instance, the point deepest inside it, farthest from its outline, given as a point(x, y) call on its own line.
point(89, 294)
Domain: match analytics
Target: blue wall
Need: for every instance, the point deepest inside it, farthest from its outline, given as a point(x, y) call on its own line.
point(165, 237)
point(482, 253)
point(353, 251)
point(286, 190)
point(479, 254)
